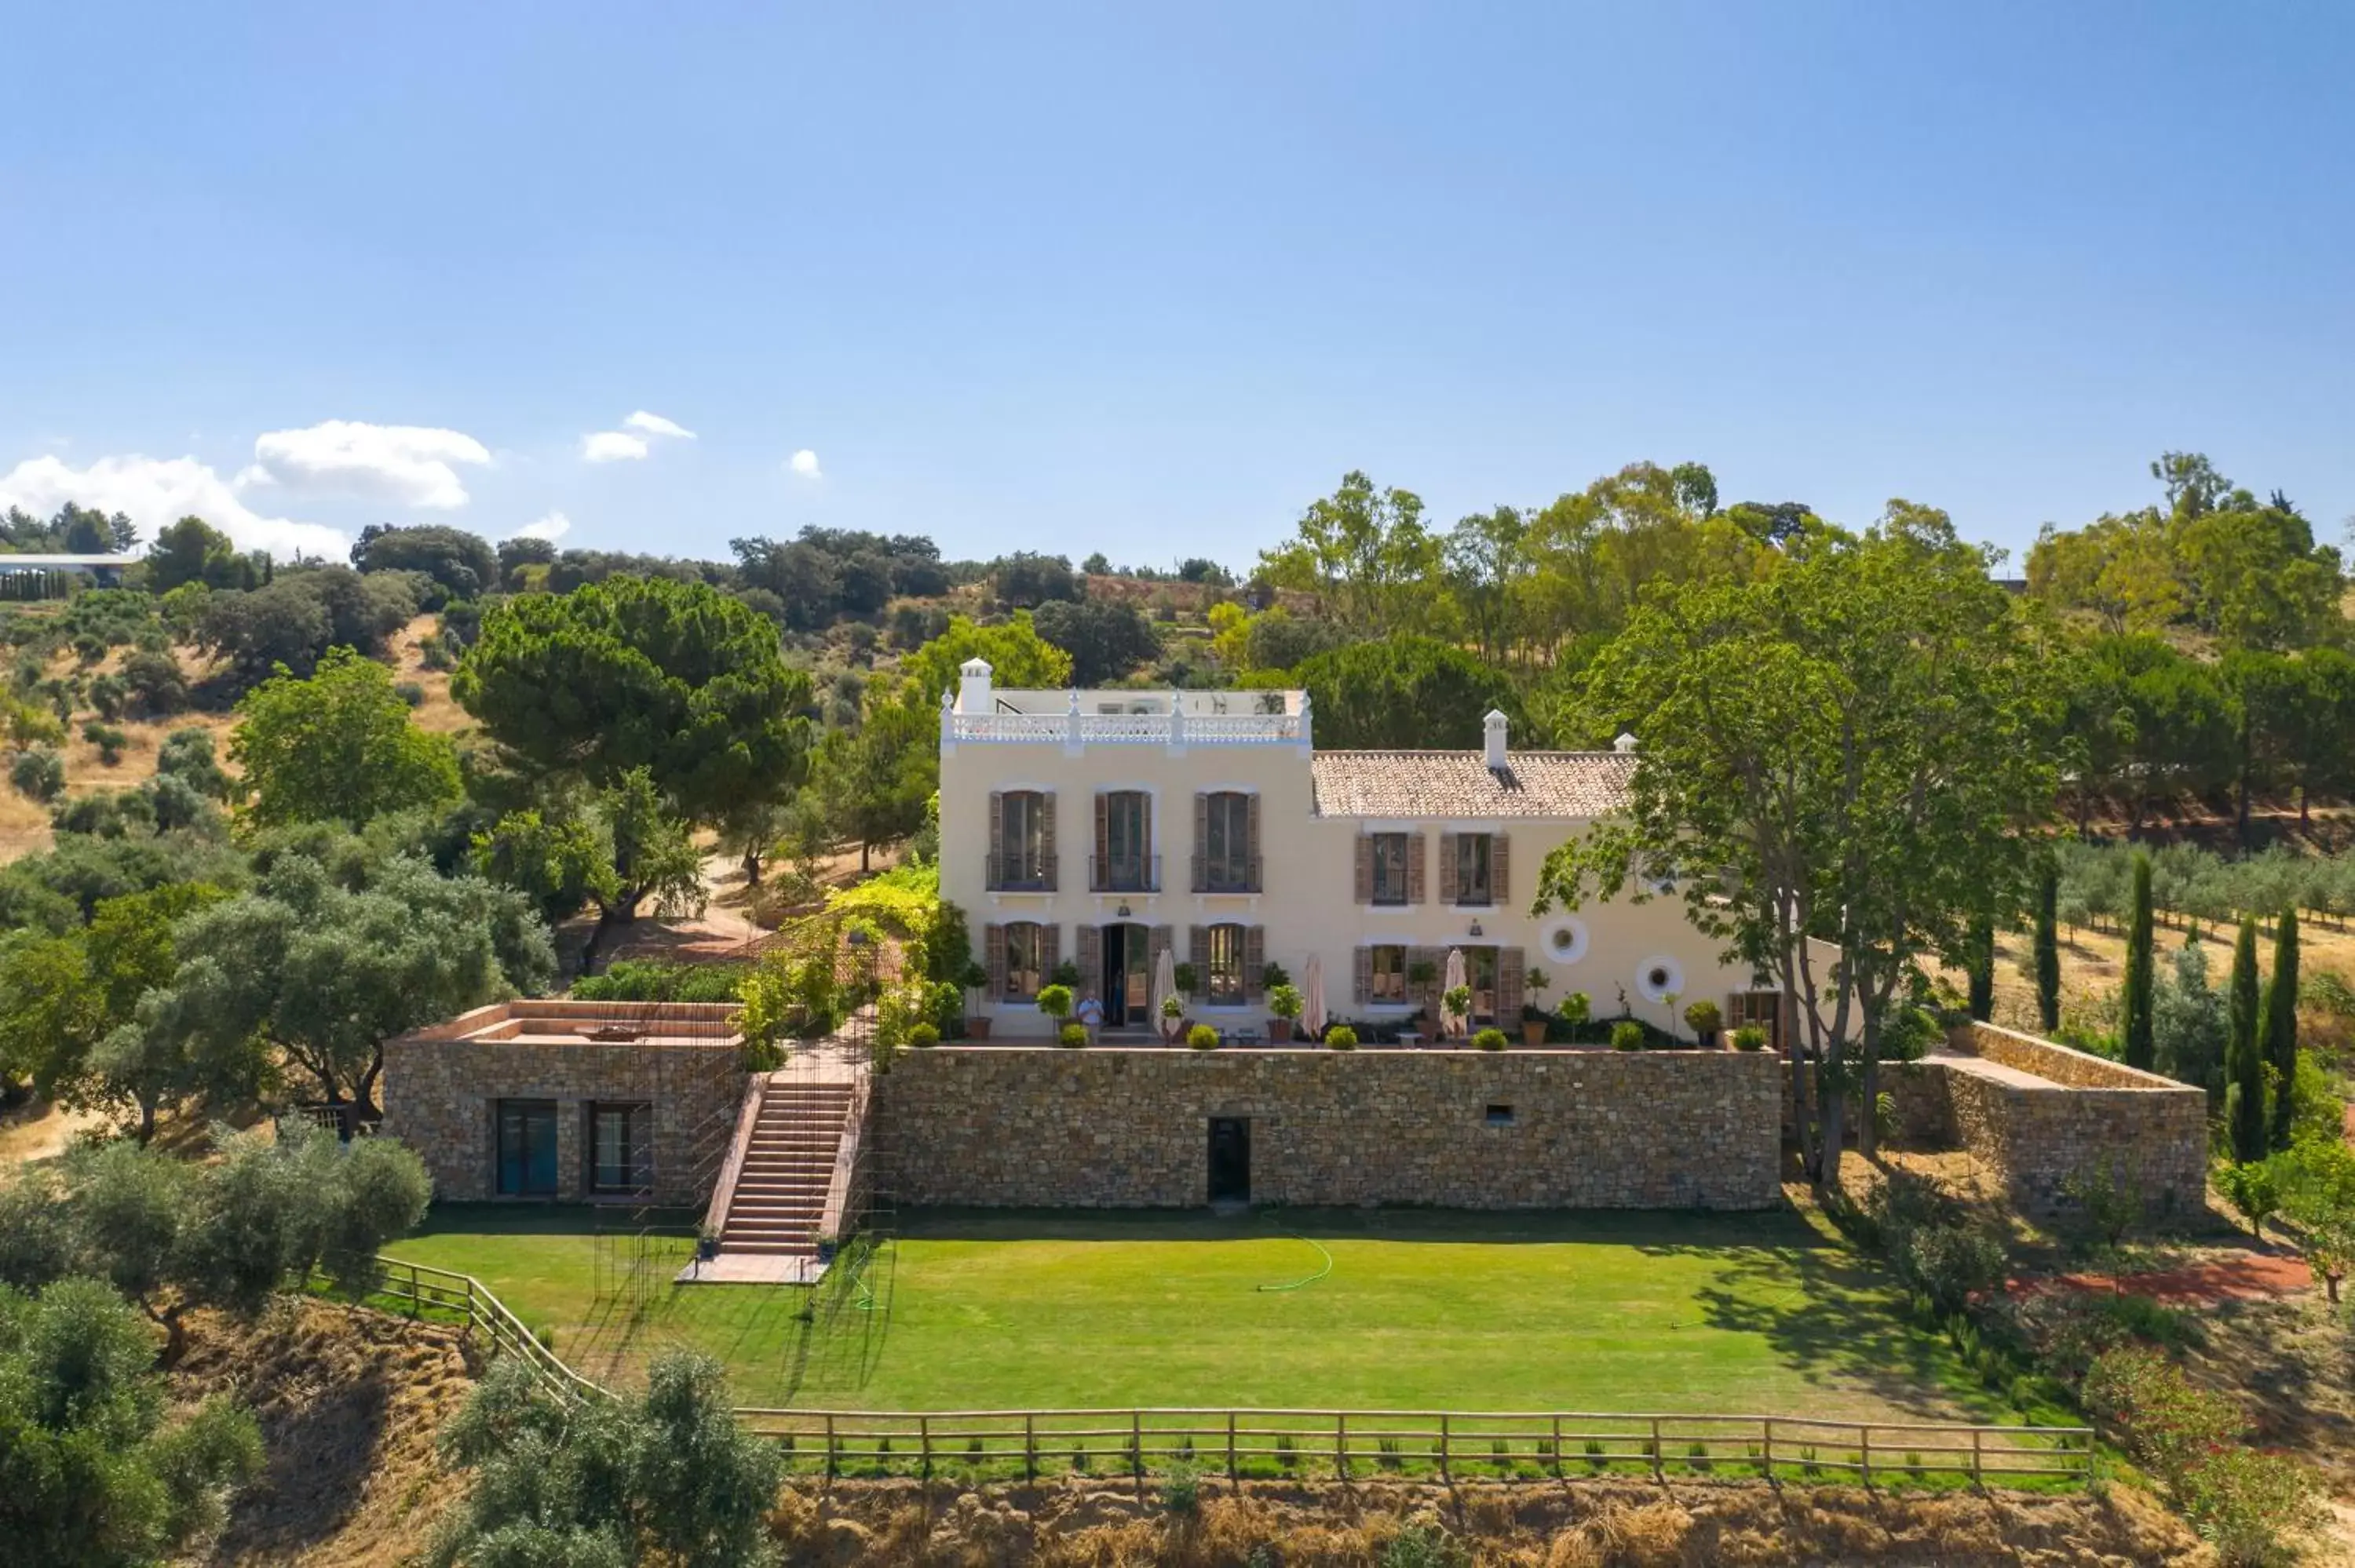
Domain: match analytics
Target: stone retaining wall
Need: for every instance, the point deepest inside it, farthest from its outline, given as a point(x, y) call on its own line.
point(441, 1096)
point(1121, 1129)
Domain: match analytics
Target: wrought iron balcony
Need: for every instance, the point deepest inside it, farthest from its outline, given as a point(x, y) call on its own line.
point(1225, 874)
point(1026, 872)
point(1125, 874)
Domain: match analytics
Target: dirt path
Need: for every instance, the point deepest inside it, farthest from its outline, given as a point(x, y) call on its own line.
point(40, 1131)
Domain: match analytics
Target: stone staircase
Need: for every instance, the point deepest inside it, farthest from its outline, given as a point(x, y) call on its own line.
point(780, 1195)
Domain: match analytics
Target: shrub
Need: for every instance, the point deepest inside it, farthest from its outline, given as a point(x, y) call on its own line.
point(1202, 1037)
point(1488, 1040)
point(1627, 1036)
point(1284, 1000)
point(1703, 1017)
point(1575, 1008)
point(2168, 1425)
point(2255, 1187)
point(1181, 1494)
point(108, 740)
point(1341, 1037)
point(2243, 1501)
point(1055, 1001)
point(1750, 1037)
point(409, 692)
point(40, 773)
point(924, 1036)
point(1071, 1036)
point(1422, 1546)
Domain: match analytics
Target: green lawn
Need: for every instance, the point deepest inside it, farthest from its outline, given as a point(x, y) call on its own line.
point(1749, 1314)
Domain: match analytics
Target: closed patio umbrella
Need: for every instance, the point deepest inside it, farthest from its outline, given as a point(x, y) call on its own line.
point(1453, 1023)
point(1165, 985)
point(1312, 1006)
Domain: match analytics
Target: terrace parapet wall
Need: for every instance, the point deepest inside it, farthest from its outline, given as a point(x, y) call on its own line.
point(1129, 1129)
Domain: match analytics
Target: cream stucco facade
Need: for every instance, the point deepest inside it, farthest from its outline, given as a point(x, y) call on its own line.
point(1079, 826)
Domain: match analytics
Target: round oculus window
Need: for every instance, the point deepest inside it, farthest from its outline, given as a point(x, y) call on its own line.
point(1659, 978)
point(1565, 940)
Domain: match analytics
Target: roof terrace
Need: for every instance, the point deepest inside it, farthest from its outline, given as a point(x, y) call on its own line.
point(980, 712)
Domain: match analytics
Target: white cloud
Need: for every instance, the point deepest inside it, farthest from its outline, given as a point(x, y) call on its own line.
point(805, 463)
point(158, 492)
point(612, 446)
point(655, 424)
point(553, 526)
point(412, 464)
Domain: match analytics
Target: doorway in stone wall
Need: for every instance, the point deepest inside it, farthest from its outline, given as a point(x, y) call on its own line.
point(1229, 1160)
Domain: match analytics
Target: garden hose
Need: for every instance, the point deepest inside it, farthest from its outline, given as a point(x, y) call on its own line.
point(1307, 1280)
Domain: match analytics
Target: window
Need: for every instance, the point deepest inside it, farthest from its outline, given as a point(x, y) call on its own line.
point(1388, 974)
point(1127, 842)
point(621, 1147)
point(1225, 847)
point(1473, 851)
point(526, 1149)
point(1226, 967)
point(1500, 1115)
point(1022, 849)
point(1026, 956)
point(1390, 868)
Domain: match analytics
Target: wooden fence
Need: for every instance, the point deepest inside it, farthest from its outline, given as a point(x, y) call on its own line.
point(1345, 1444)
point(1453, 1444)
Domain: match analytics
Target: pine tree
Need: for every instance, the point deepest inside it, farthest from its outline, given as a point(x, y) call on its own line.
point(2141, 1050)
point(2048, 949)
point(1978, 967)
point(2245, 1069)
point(2278, 1030)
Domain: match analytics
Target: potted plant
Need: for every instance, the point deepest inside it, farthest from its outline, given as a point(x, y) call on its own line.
point(1456, 1007)
point(1421, 973)
point(827, 1246)
point(1706, 1020)
point(974, 980)
point(1190, 979)
point(1056, 1001)
point(1284, 1002)
point(1071, 1036)
point(1488, 1040)
point(1173, 1014)
point(1340, 1037)
point(1202, 1037)
point(923, 1037)
point(1534, 1020)
point(1750, 1037)
point(1273, 975)
point(1574, 1010)
point(706, 1244)
point(1067, 975)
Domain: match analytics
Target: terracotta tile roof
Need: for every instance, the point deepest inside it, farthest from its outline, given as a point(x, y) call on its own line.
point(1459, 784)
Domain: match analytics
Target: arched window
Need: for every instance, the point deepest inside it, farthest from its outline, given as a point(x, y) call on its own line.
point(1026, 959)
point(1225, 980)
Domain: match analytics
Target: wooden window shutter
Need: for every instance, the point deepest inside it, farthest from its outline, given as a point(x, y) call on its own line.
point(1255, 963)
point(1102, 851)
point(1046, 861)
point(1198, 953)
point(1201, 840)
point(1450, 885)
point(1414, 877)
point(1362, 984)
point(1426, 994)
point(1365, 868)
point(1512, 983)
point(993, 947)
point(997, 838)
point(1050, 950)
point(1251, 867)
point(1090, 943)
point(1500, 868)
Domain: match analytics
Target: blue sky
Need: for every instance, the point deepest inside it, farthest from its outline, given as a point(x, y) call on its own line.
point(1149, 278)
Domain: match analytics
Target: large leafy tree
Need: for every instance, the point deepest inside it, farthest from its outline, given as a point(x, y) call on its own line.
point(1848, 758)
point(315, 975)
point(339, 747)
point(1406, 693)
point(616, 848)
point(1018, 658)
point(1105, 638)
point(873, 783)
point(674, 677)
point(460, 562)
point(1368, 554)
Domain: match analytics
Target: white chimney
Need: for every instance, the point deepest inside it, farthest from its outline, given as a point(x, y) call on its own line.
point(972, 688)
point(1625, 743)
point(1494, 729)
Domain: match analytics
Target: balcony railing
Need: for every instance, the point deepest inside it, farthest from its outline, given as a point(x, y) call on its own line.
point(1125, 874)
point(1019, 873)
point(1225, 876)
point(1127, 729)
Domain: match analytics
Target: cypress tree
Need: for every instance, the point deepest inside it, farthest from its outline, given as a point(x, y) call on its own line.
point(2141, 1049)
point(2245, 1069)
point(2278, 1030)
point(2048, 948)
point(1978, 967)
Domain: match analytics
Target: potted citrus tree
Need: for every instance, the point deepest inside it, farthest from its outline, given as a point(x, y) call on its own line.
point(1574, 1010)
point(975, 980)
point(1173, 1019)
point(1284, 1002)
point(1056, 1002)
point(1455, 1010)
point(1706, 1019)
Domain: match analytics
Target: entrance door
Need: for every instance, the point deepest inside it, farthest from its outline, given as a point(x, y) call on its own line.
point(1127, 977)
point(1229, 1160)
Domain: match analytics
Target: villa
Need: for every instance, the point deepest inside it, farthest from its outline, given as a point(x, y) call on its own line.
point(1107, 828)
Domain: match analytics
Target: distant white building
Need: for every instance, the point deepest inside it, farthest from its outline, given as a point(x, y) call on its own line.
point(46, 576)
point(1102, 827)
